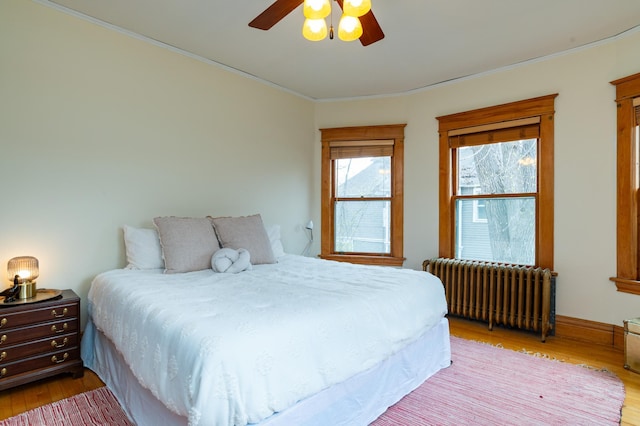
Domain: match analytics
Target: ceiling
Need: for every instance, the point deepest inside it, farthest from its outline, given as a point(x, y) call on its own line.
point(426, 41)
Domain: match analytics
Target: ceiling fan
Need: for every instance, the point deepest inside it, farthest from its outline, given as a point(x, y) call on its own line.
point(281, 8)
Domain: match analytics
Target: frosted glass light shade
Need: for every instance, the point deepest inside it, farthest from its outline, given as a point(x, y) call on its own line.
point(356, 8)
point(25, 267)
point(316, 9)
point(314, 29)
point(350, 28)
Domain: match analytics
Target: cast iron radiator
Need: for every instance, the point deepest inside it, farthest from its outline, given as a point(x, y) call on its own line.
point(515, 296)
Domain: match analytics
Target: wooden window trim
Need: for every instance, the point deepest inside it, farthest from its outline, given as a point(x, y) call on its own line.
point(374, 135)
point(542, 107)
point(627, 277)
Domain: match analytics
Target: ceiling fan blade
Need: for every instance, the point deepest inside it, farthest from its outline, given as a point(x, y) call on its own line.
point(274, 13)
point(371, 31)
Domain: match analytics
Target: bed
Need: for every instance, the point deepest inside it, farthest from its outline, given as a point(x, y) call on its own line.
point(298, 341)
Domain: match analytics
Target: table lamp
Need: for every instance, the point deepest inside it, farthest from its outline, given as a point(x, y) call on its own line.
point(24, 270)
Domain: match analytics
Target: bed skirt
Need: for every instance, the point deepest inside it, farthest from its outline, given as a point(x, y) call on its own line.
point(356, 401)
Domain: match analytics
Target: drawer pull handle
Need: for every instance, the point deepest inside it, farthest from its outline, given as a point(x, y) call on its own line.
point(54, 329)
point(3, 372)
point(57, 315)
point(3, 355)
point(55, 360)
point(3, 322)
point(57, 345)
point(3, 338)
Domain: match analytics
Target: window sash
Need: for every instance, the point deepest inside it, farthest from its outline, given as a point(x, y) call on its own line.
point(339, 240)
point(350, 240)
point(496, 254)
point(508, 234)
point(381, 187)
point(498, 151)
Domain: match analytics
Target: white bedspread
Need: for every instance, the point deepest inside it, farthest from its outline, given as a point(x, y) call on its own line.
point(232, 349)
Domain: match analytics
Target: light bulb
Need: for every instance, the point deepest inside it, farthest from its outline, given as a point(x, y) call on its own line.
point(350, 28)
point(316, 9)
point(314, 29)
point(356, 8)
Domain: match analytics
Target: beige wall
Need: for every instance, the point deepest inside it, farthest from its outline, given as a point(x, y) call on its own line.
point(98, 130)
point(585, 131)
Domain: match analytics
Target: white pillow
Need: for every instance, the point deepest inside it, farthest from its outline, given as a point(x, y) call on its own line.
point(276, 243)
point(142, 246)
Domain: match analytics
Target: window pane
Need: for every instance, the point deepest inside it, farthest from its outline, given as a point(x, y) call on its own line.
point(498, 168)
point(507, 235)
point(362, 227)
point(363, 177)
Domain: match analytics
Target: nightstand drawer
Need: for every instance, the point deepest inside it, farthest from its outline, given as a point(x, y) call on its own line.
point(25, 350)
point(52, 359)
point(51, 313)
point(31, 334)
point(39, 331)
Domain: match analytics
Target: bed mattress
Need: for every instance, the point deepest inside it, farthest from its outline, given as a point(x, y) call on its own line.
point(357, 401)
point(226, 349)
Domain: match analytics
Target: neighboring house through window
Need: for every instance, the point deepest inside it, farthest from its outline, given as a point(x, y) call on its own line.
point(496, 183)
point(479, 207)
point(362, 194)
point(627, 277)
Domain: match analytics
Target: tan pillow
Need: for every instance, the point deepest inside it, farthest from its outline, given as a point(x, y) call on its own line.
point(247, 232)
point(187, 243)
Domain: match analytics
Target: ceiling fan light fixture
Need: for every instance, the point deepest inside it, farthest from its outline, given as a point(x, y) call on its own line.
point(314, 29)
point(367, 30)
point(316, 9)
point(350, 28)
point(356, 7)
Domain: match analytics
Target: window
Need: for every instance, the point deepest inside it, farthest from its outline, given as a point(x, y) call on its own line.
point(479, 207)
point(627, 277)
point(496, 183)
point(362, 194)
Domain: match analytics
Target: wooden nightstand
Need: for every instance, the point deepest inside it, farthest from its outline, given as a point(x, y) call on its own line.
point(39, 340)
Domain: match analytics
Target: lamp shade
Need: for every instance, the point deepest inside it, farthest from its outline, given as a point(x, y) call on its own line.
point(25, 267)
point(356, 8)
point(314, 29)
point(350, 28)
point(316, 9)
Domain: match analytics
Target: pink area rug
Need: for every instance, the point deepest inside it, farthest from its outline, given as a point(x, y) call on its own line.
point(485, 385)
point(96, 408)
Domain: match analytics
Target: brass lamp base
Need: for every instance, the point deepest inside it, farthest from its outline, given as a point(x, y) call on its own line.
point(27, 290)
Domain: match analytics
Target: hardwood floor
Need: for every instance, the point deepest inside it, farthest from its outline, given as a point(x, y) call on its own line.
point(27, 397)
